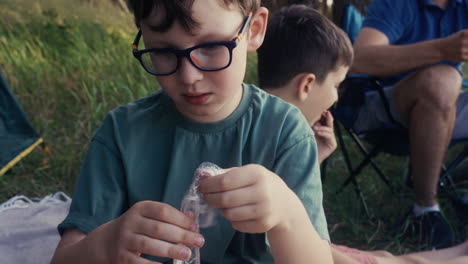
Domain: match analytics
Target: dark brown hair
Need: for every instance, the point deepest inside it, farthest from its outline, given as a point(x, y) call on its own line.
point(180, 10)
point(301, 40)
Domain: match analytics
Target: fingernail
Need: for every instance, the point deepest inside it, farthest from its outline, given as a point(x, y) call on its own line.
point(193, 227)
point(188, 213)
point(204, 175)
point(184, 253)
point(199, 241)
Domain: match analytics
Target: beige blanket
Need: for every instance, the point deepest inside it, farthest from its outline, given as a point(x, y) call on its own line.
point(28, 228)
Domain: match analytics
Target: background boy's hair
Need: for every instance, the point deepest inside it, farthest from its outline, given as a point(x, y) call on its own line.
point(301, 40)
point(181, 10)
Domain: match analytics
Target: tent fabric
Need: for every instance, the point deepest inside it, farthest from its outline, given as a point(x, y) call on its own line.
point(17, 135)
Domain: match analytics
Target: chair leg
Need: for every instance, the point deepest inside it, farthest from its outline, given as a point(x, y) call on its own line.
point(355, 172)
point(344, 152)
point(409, 177)
point(371, 155)
point(446, 182)
point(357, 188)
point(460, 157)
point(323, 170)
point(352, 172)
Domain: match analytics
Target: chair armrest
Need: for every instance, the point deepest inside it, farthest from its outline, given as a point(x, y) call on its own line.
point(352, 95)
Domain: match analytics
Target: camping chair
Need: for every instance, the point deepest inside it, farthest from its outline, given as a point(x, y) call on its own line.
point(17, 135)
point(391, 139)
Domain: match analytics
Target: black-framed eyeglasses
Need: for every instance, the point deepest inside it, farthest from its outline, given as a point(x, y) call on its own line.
point(211, 56)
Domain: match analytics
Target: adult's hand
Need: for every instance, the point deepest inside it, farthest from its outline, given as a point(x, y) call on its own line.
point(455, 46)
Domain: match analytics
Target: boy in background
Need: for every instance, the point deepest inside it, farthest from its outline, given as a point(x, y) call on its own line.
point(303, 60)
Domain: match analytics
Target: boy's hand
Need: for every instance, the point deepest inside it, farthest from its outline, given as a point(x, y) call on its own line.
point(147, 227)
point(325, 136)
point(252, 198)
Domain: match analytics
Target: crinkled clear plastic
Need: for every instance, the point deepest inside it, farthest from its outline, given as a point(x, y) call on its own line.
point(193, 201)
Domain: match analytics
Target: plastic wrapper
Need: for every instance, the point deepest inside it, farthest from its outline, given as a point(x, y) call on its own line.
point(204, 215)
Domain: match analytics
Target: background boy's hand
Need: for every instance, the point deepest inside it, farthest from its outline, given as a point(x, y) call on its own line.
point(252, 198)
point(147, 227)
point(325, 136)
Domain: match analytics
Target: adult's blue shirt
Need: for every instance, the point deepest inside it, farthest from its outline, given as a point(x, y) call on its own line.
point(411, 21)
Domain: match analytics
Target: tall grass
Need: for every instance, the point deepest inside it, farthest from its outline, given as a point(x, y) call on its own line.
point(69, 62)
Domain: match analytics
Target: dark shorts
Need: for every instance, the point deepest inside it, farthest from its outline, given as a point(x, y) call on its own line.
point(373, 115)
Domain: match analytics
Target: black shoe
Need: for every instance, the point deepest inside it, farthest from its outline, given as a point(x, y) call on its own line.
point(461, 209)
point(433, 230)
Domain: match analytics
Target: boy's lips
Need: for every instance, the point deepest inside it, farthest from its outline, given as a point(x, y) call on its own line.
point(196, 98)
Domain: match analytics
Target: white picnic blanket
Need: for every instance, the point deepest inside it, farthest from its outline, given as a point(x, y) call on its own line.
point(28, 228)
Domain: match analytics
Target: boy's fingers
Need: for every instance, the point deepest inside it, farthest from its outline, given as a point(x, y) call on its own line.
point(232, 198)
point(205, 174)
point(323, 129)
point(230, 169)
point(243, 213)
point(328, 119)
point(168, 232)
point(233, 179)
point(133, 258)
point(165, 213)
point(158, 248)
point(325, 121)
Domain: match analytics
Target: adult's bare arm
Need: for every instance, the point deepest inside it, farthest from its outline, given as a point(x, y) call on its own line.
point(375, 56)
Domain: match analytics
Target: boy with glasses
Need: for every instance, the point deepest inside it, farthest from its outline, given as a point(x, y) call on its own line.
point(141, 160)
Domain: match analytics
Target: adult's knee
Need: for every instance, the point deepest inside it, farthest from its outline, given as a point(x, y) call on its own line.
point(439, 86)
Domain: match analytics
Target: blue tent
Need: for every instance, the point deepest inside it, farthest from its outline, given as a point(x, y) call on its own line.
point(17, 135)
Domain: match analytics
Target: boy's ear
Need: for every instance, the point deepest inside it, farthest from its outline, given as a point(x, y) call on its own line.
point(305, 85)
point(257, 29)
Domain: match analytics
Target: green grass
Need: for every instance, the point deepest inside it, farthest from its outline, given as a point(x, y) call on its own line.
point(67, 71)
point(69, 62)
point(347, 221)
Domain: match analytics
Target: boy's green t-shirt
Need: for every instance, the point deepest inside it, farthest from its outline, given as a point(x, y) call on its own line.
point(146, 150)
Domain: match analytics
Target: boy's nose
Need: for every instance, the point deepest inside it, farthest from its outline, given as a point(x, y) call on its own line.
point(188, 73)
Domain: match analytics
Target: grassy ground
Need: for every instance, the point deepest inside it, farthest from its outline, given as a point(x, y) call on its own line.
point(69, 62)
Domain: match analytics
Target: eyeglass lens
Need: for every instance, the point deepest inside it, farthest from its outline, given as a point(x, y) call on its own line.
point(210, 57)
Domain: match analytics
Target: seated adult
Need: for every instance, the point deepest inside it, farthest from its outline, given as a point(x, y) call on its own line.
point(417, 47)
